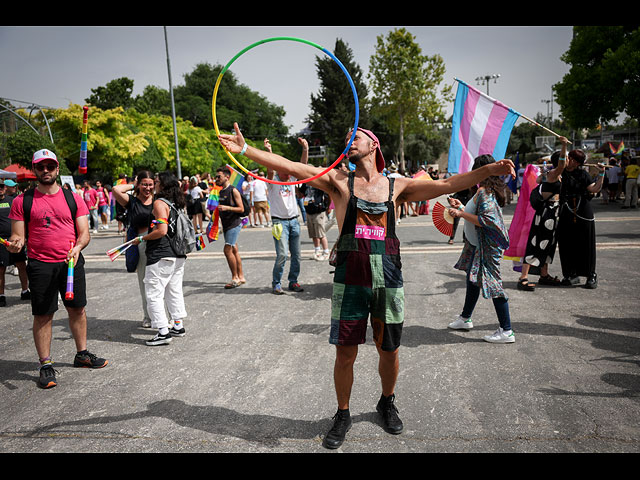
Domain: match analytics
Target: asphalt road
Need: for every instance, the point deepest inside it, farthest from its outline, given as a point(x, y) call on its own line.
point(254, 372)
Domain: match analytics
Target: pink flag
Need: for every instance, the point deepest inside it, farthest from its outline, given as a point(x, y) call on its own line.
point(523, 216)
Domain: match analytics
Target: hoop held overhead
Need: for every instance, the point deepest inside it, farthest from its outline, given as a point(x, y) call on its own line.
point(294, 39)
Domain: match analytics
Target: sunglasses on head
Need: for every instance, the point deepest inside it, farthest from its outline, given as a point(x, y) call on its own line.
point(49, 167)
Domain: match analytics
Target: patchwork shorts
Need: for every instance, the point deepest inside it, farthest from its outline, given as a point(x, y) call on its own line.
point(368, 285)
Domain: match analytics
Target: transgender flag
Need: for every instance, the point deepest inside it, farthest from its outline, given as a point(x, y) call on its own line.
point(481, 125)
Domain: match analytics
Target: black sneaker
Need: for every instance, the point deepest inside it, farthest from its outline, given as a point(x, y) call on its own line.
point(387, 408)
point(88, 360)
point(295, 287)
point(3, 301)
point(47, 377)
point(177, 332)
point(341, 425)
point(159, 339)
point(25, 295)
point(592, 281)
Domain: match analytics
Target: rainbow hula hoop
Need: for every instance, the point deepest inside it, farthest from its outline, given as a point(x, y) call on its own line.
point(294, 39)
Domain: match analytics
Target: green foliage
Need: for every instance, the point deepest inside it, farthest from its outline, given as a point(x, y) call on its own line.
point(332, 109)
point(404, 85)
point(116, 93)
point(604, 79)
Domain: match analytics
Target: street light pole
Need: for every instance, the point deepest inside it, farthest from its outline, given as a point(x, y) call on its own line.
point(173, 107)
point(485, 79)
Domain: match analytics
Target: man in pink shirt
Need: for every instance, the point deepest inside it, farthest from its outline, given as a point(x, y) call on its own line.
point(91, 199)
point(49, 227)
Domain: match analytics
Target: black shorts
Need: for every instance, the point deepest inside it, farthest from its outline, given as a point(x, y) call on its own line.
point(48, 280)
point(7, 258)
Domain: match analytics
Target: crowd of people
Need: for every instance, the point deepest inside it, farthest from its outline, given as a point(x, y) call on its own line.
point(48, 226)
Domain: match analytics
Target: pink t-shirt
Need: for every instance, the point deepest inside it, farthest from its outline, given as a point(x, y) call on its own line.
point(102, 196)
point(90, 198)
point(51, 228)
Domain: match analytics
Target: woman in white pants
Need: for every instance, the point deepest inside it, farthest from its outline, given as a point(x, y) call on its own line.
point(164, 269)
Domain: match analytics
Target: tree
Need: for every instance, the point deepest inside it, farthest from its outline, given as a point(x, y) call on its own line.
point(332, 109)
point(604, 79)
point(21, 145)
point(404, 83)
point(154, 100)
point(235, 103)
point(116, 93)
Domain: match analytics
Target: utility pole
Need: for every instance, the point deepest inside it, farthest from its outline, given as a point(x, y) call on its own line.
point(173, 107)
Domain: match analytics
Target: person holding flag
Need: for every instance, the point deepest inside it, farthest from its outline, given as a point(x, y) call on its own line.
point(230, 207)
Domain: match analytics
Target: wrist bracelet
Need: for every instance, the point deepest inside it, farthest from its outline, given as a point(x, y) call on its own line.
point(244, 149)
point(140, 238)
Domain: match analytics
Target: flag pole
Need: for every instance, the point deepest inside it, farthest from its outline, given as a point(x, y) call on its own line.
point(543, 127)
point(523, 116)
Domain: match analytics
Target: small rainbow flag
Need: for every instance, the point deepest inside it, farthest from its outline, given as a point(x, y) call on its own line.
point(119, 250)
point(200, 242)
point(3, 242)
point(236, 179)
point(617, 151)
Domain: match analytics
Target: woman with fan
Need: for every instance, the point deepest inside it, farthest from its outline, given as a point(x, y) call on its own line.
point(542, 241)
point(485, 239)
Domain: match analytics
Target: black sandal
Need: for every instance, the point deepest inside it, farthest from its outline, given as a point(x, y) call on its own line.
point(523, 284)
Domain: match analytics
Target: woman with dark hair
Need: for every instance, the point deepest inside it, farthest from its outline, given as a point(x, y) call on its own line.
point(485, 239)
point(576, 226)
point(137, 200)
point(542, 241)
point(164, 268)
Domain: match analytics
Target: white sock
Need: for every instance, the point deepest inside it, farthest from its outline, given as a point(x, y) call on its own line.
point(177, 324)
point(163, 331)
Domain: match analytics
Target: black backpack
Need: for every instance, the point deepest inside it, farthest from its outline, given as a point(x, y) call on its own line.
point(318, 202)
point(245, 203)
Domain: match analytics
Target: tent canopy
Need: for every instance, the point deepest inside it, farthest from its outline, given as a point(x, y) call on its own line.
point(5, 174)
point(22, 173)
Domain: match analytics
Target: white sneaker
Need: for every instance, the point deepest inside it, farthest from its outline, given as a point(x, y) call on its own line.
point(461, 323)
point(501, 336)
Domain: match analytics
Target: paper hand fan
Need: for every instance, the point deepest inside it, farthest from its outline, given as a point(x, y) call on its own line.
point(441, 219)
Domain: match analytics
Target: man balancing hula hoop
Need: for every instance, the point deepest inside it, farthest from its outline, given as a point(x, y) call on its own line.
point(368, 278)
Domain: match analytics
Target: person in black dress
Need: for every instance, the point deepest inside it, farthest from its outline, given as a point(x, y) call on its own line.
point(576, 227)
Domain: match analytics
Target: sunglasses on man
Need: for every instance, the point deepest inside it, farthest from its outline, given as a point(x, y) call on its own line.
point(49, 167)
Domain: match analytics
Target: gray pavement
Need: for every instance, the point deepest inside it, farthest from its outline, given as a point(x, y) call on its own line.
point(254, 372)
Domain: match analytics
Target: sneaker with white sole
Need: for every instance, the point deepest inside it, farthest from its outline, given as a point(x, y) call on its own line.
point(461, 323)
point(159, 339)
point(177, 332)
point(501, 336)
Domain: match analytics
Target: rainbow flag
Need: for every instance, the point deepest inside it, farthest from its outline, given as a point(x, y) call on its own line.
point(214, 198)
point(617, 151)
point(236, 179)
point(212, 228)
point(481, 125)
point(200, 242)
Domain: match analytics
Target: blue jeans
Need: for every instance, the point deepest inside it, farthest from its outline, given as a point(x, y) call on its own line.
point(500, 304)
point(289, 240)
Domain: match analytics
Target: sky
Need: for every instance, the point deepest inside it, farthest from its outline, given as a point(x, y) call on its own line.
point(57, 65)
